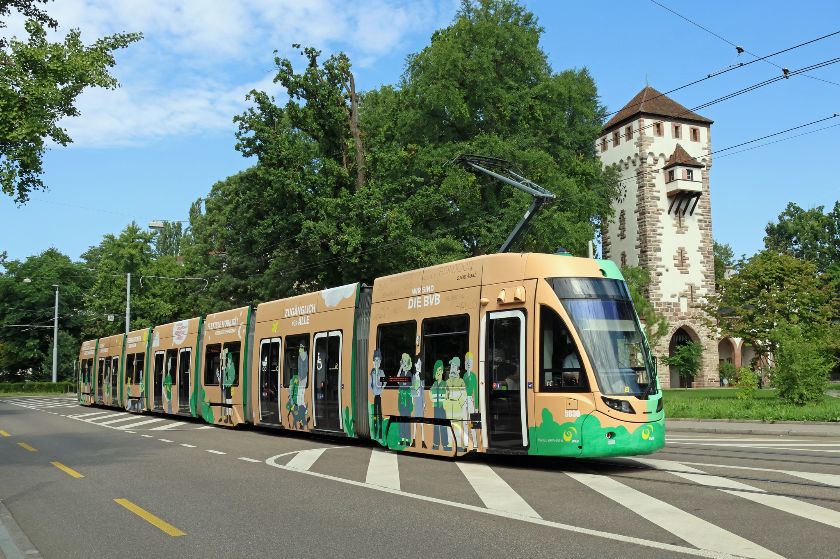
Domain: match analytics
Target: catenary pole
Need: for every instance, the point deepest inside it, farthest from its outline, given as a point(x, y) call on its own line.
point(55, 339)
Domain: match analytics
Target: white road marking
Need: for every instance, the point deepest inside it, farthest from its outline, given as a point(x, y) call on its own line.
point(825, 479)
point(304, 459)
point(188, 445)
point(207, 427)
point(133, 425)
point(147, 436)
point(216, 451)
point(642, 542)
point(383, 469)
point(166, 441)
point(87, 414)
point(785, 504)
point(493, 491)
point(686, 526)
point(132, 432)
point(168, 426)
point(246, 459)
point(129, 417)
point(669, 438)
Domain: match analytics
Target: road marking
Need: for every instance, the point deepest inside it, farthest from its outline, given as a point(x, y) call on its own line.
point(779, 502)
point(669, 439)
point(89, 414)
point(133, 425)
point(168, 426)
point(512, 516)
point(147, 436)
point(383, 469)
point(132, 432)
point(493, 491)
point(684, 525)
point(130, 417)
point(67, 470)
point(207, 427)
point(166, 441)
point(4, 433)
point(246, 459)
point(188, 445)
point(304, 459)
point(216, 451)
point(150, 518)
point(825, 479)
point(27, 447)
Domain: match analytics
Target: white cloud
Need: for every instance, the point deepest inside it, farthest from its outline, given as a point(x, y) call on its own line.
point(199, 58)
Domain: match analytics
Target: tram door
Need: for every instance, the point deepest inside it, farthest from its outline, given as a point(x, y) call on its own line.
point(269, 381)
point(327, 389)
point(158, 380)
point(184, 364)
point(100, 380)
point(507, 426)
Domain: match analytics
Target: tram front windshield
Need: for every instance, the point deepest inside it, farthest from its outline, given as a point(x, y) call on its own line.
point(603, 315)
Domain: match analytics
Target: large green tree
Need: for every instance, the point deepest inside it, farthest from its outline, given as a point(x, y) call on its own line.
point(26, 315)
point(350, 186)
point(40, 81)
point(724, 261)
point(808, 234)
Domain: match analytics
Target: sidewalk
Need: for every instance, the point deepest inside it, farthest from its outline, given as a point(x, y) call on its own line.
point(728, 427)
point(13, 542)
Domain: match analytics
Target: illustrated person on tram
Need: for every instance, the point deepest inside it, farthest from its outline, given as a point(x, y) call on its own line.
point(404, 403)
point(418, 397)
point(377, 385)
point(438, 392)
point(456, 396)
point(471, 384)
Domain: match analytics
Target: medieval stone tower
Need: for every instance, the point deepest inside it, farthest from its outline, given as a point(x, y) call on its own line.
point(663, 216)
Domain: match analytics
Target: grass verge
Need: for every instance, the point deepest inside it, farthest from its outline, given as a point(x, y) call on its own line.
point(722, 403)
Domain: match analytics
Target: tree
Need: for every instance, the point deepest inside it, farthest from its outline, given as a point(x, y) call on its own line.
point(808, 234)
point(687, 359)
point(803, 362)
point(39, 84)
point(724, 260)
point(767, 290)
point(655, 324)
point(26, 352)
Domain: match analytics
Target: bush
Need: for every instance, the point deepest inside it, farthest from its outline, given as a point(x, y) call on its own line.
point(747, 383)
point(728, 372)
point(686, 359)
point(803, 363)
point(40, 387)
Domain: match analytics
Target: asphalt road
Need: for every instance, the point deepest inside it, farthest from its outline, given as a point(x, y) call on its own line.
point(91, 482)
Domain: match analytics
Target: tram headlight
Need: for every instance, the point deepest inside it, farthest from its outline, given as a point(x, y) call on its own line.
point(618, 405)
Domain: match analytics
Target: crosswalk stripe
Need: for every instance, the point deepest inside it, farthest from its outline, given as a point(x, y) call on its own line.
point(765, 444)
point(493, 491)
point(825, 479)
point(168, 426)
point(133, 425)
point(686, 526)
point(206, 427)
point(129, 417)
point(383, 469)
point(785, 504)
point(90, 414)
point(304, 459)
point(670, 439)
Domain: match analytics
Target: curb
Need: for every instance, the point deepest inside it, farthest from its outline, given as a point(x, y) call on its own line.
point(13, 542)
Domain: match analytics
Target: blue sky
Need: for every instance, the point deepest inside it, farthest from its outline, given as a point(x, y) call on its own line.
point(149, 149)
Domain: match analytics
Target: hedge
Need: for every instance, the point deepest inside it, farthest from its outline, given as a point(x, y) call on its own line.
point(43, 387)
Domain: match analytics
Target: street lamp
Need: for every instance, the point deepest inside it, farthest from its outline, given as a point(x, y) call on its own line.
point(55, 333)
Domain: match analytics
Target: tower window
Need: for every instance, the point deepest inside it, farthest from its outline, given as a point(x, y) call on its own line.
point(657, 129)
point(677, 131)
point(623, 259)
point(695, 134)
point(671, 175)
point(616, 138)
point(604, 144)
point(628, 133)
point(689, 175)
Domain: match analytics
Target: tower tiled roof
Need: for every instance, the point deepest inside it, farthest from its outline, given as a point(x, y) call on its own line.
point(681, 157)
point(651, 102)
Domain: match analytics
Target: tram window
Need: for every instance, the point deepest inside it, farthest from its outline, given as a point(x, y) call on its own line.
point(171, 364)
point(560, 363)
point(269, 367)
point(295, 358)
point(129, 368)
point(443, 339)
point(211, 364)
point(139, 363)
point(233, 349)
point(393, 340)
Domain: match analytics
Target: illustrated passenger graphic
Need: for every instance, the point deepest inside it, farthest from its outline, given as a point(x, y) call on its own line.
point(418, 397)
point(167, 385)
point(404, 398)
point(456, 396)
point(227, 383)
point(296, 405)
point(441, 436)
point(377, 385)
point(471, 384)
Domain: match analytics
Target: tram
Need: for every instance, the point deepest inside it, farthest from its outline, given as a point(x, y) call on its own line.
point(522, 353)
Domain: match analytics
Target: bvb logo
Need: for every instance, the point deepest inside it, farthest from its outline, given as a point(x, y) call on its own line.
point(568, 434)
point(647, 431)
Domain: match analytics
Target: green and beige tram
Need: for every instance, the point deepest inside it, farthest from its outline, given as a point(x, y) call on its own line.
point(508, 353)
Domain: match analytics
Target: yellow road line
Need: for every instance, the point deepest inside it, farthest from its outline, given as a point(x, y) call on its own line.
point(67, 470)
point(3, 433)
point(150, 518)
point(27, 447)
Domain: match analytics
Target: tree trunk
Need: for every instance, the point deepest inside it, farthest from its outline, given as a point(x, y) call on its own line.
point(356, 131)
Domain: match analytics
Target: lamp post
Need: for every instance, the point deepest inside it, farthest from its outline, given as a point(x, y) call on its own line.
point(55, 333)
